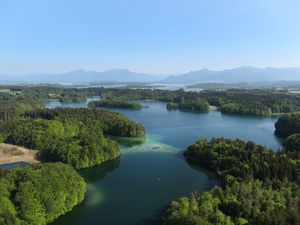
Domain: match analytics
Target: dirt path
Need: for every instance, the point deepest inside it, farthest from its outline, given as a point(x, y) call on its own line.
point(12, 153)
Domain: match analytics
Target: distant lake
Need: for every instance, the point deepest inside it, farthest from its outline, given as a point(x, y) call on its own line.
point(135, 189)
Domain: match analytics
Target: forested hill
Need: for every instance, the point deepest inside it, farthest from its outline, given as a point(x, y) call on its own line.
point(258, 186)
point(37, 195)
point(288, 124)
point(237, 75)
point(74, 136)
point(111, 123)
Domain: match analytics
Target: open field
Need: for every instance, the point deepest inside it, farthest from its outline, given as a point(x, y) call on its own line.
point(12, 153)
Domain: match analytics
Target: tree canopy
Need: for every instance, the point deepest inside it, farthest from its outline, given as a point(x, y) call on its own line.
point(73, 136)
point(258, 186)
point(288, 124)
point(39, 194)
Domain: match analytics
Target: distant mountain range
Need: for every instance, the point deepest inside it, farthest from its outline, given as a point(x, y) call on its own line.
point(82, 76)
point(236, 75)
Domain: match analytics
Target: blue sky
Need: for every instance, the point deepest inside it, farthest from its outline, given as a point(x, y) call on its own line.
point(160, 36)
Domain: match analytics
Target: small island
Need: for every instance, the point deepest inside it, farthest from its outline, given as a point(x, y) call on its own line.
point(115, 103)
point(198, 104)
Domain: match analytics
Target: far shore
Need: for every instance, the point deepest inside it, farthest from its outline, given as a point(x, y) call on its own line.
point(13, 154)
point(214, 108)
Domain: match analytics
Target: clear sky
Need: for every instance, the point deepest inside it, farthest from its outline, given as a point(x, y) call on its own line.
point(161, 36)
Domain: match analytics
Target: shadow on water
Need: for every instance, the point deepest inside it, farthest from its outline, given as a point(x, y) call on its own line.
point(129, 142)
point(156, 220)
point(211, 175)
point(96, 173)
point(9, 166)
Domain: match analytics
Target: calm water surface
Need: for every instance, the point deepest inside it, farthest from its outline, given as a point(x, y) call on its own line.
point(9, 166)
point(135, 189)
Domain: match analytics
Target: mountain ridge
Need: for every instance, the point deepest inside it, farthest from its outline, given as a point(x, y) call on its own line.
point(235, 75)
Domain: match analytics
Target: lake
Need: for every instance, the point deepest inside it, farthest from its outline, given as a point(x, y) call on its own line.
point(9, 166)
point(136, 188)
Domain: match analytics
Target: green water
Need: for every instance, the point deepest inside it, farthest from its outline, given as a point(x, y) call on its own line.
point(135, 189)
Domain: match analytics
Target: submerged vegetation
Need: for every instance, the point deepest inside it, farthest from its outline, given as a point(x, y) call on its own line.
point(258, 187)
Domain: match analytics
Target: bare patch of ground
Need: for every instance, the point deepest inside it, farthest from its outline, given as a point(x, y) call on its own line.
point(12, 153)
point(213, 108)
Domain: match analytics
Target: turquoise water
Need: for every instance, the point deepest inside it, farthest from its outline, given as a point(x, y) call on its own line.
point(135, 189)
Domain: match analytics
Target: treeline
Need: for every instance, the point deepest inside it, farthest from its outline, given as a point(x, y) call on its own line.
point(254, 102)
point(258, 186)
point(244, 160)
point(16, 100)
point(44, 92)
point(111, 123)
point(10, 109)
point(234, 101)
point(288, 124)
point(255, 108)
point(115, 103)
point(288, 127)
point(73, 136)
point(239, 203)
point(39, 194)
point(192, 105)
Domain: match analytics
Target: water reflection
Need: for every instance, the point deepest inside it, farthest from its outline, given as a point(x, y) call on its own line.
point(96, 173)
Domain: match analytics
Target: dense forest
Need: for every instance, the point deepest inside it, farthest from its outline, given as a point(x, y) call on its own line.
point(74, 136)
point(288, 127)
point(11, 109)
point(258, 186)
point(292, 145)
point(115, 103)
point(193, 105)
point(234, 101)
point(288, 124)
point(39, 194)
point(44, 92)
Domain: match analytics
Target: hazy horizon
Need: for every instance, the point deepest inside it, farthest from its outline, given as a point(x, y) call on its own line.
point(146, 72)
point(171, 37)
